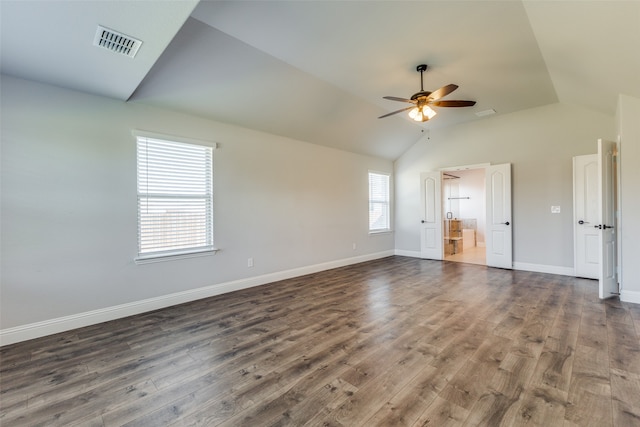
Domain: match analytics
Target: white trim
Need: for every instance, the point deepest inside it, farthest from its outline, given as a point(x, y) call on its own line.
point(148, 259)
point(465, 167)
point(412, 254)
point(538, 268)
point(66, 323)
point(62, 324)
point(630, 296)
point(541, 268)
point(381, 231)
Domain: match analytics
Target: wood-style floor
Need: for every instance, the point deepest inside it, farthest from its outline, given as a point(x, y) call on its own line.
point(392, 342)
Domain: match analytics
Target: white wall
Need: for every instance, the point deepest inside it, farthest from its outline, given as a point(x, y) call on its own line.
point(628, 116)
point(69, 205)
point(540, 144)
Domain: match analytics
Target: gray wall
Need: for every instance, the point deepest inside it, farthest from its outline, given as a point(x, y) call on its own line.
point(68, 200)
point(540, 144)
point(69, 204)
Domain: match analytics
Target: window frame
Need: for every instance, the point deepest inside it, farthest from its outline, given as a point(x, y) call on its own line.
point(387, 202)
point(186, 252)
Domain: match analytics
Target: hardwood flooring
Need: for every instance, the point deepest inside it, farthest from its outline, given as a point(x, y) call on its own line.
point(392, 342)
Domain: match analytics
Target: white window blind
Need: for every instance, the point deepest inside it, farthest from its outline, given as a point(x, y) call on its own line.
point(175, 197)
point(379, 218)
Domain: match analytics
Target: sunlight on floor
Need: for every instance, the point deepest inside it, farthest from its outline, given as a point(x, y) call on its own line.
point(472, 255)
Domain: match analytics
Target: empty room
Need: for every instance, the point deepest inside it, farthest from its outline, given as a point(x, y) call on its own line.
point(319, 213)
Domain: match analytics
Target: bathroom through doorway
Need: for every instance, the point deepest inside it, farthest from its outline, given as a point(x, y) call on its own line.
point(463, 216)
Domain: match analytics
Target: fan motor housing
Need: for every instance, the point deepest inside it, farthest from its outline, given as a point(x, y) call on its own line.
point(422, 93)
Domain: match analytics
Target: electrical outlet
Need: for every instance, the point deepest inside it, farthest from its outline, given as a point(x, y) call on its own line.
point(354, 246)
point(555, 209)
point(250, 262)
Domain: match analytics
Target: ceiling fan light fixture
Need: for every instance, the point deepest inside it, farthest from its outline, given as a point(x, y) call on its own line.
point(428, 111)
point(421, 111)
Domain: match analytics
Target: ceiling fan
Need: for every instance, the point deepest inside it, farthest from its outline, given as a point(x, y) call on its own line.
point(422, 101)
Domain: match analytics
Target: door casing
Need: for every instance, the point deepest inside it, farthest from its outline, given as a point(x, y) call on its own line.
point(497, 183)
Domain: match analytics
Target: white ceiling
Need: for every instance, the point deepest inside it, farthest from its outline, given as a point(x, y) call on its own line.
point(52, 41)
point(317, 70)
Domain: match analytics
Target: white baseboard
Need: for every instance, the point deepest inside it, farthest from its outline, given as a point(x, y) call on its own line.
point(538, 268)
point(630, 296)
point(541, 268)
point(66, 323)
point(412, 254)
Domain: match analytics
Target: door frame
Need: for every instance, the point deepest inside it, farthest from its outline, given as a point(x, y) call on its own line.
point(437, 253)
point(481, 166)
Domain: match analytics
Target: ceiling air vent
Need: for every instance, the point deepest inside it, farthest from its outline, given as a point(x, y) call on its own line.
point(488, 112)
point(116, 42)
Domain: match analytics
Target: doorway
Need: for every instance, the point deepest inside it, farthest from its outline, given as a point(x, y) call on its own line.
point(498, 222)
point(463, 204)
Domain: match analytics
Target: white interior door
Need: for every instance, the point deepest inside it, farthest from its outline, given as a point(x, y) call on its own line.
point(431, 224)
point(586, 241)
point(498, 227)
point(608, 281)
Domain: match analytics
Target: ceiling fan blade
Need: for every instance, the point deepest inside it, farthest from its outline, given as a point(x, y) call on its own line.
point(396, 112)
point(395, 98)
point(453, 103)
point(442, 92)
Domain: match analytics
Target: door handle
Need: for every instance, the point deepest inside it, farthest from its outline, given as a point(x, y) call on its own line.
point(423, 221)
point(582, 222)
point(506, 223)
point(604, 227)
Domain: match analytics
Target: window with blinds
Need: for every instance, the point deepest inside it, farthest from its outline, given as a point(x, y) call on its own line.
point(379, 201)
point(175, 198)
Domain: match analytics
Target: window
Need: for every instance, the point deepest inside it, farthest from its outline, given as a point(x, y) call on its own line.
point(175, 198)
point(379, 218)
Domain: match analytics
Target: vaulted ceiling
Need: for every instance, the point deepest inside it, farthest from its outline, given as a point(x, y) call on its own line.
point(316, 71)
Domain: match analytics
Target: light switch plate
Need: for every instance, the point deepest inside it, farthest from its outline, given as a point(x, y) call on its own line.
point(555, 209)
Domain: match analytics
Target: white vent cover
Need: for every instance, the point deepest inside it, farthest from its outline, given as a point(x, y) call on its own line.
point(488, 112)
point(116, 42)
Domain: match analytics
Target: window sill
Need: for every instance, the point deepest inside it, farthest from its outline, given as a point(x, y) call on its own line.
point(387, 231)
point(149, 259)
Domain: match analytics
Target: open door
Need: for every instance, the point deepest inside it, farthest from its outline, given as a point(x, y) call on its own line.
point(431, 225)
point(498, 227)
point(608, 280)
